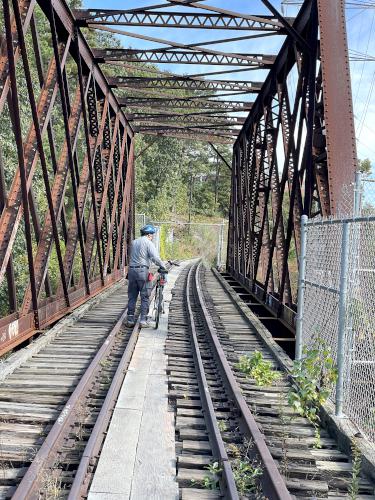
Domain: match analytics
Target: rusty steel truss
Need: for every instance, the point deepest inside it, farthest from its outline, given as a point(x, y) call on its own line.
point(69, 113)
point(79, 229)
point(295, 152)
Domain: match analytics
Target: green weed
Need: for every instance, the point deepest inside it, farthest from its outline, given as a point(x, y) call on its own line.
point(314, 375)
point(258, 368)
point(356, 472)
point(211, 481)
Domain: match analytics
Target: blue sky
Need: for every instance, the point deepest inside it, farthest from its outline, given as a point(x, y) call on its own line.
point(361, 37)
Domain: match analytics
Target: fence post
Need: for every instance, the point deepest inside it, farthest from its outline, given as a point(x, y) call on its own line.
point(358, 194)
point(341, 345)
point(301, 288)
point(220, 245)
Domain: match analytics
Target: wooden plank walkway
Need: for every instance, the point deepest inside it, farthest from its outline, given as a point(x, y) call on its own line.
point(138, 458)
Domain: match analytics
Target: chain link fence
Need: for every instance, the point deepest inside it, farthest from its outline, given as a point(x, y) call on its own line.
point(360, 191)
point(336, 303)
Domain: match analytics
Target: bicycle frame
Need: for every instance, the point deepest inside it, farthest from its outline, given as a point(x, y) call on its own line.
point(159, 300)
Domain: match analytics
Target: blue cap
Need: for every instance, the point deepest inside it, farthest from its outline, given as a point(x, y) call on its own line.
point(148, 229)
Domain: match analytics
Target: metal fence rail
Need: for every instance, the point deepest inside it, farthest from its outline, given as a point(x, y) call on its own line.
point(337, 306)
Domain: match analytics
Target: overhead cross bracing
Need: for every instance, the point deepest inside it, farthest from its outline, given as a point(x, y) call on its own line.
point(148, 72)
point(183, 57)
point(180, 102)
point(70, 111)
point(145, 17)
point(178, 83)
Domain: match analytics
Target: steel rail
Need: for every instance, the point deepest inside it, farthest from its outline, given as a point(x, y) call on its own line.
point(28, 487)
point(80, 483)
point(228, 483)
point(272, 483)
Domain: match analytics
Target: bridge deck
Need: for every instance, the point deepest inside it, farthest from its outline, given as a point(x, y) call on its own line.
point(94, 409)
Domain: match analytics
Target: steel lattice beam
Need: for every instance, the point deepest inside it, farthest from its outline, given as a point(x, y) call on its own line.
point(144, 17)
point(193, 120)
point(194, 136)
point(183, 57)
point(226, 132)
point(212, 105)
point(181, 83)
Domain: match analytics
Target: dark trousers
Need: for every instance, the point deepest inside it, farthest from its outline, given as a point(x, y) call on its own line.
point(137, 284)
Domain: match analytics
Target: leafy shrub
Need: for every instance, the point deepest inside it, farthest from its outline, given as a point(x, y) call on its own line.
point(258, 368)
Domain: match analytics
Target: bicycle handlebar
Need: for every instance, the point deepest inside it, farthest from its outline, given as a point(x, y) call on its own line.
point(173, 263)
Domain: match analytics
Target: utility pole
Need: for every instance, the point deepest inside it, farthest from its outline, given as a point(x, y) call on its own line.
point(190, 198)
point(217, 178)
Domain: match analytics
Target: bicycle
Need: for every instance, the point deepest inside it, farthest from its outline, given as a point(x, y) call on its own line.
point(159, 295)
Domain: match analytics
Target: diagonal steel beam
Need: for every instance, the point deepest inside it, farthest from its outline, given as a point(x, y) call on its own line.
point(83, 186)
point(127, 200)
point(42, 156)
point(220, 156)
point(58, 191)
point(171, 45)
point(12, 213)
point(113, 214)
point(26, 8)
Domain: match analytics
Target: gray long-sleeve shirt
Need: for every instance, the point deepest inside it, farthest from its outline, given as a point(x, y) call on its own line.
point(143, 252)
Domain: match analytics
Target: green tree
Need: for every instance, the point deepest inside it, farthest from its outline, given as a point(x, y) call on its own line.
point(365, 166)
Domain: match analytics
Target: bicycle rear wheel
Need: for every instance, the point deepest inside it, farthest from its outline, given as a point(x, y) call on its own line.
point(159, 306)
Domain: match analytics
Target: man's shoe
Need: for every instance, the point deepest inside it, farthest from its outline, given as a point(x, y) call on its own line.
point(130, 321)
point(144, 323)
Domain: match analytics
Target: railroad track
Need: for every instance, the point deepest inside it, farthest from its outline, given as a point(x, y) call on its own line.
point(232, 435)
point(233, 438)
point(60, 398)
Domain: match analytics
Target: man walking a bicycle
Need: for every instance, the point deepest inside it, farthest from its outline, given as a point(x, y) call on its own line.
point(142, 254)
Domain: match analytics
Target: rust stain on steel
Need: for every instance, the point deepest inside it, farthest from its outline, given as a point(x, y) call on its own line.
point(26, 9)
point(129, 183)
point(14, 330)
point(21, 324)
point(114, 207)
point(12, 213)
point(58, 190)
point(338, 107)
point(82, 193)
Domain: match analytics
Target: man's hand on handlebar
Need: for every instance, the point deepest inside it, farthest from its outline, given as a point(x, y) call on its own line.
point(162, 270)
